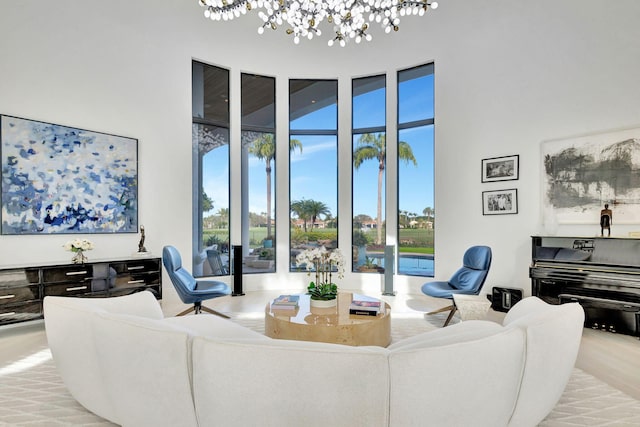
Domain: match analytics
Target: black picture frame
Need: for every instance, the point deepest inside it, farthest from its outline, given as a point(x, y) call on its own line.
point(500, 202)
point(505, 168)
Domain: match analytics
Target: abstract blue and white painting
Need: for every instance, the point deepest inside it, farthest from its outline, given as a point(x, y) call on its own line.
point(59, 179)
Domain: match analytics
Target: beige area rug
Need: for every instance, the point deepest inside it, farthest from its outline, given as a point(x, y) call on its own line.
point(32, 392)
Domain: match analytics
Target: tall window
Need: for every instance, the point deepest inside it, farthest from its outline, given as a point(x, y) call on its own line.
point(416, 213)
point(210, 137)
point(369, 163)
point(313, 164)
point(259, 147)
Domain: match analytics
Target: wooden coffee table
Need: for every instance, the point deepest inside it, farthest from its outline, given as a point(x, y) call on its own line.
point(332, 325)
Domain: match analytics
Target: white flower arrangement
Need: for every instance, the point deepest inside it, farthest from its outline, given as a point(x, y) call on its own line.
point(324, 263)
point(78, 245)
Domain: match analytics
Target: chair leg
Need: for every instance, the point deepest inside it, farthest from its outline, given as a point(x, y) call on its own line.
point(187, 311)
point(217, 313)
point(453, 311)
point(440, 310)
point(197, 308)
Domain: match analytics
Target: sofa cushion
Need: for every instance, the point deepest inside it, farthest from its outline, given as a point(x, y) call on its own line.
point(553, 334)
point(523, 308)
point(146, 368)
point(140, 304)
point(289, 383)
point(209, 325)
point(460, 332)
point(70, 338)
point(473, 382)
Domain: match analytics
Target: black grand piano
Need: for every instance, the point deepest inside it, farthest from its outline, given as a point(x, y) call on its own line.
point(601, 273)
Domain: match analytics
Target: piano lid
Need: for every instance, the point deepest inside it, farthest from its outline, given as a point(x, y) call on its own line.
point(601, 251)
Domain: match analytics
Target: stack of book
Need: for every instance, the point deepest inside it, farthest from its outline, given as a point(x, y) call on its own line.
point(364, 305)
point(285, 302)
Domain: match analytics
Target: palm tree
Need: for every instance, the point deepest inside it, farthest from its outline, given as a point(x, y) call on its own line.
point(331, 221)
point(207, 203)
point(428, 211)
point(374, 146)
point(309, 210)
point(264, 148)
point(298, 208)
point(315, 209)
point(223, 216)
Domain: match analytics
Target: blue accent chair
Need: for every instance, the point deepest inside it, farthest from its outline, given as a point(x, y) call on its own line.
point(468, 280)
point(190, 290)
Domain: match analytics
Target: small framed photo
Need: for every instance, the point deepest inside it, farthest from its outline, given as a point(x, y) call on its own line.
point(500, 202)
point(500, 168)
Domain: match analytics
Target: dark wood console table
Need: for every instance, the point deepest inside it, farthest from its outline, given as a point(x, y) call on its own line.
point(22, 289)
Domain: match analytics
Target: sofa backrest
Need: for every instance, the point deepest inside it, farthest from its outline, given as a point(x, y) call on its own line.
point(70, 338)
point(289, 383)
point(467, 374)
point(146, 364)
point(146, 369)
point(553, 334)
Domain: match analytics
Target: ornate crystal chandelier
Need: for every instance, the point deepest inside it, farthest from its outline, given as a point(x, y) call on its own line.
point(351, 18)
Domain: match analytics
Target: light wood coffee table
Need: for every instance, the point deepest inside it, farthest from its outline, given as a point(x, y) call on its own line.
point(332, 325)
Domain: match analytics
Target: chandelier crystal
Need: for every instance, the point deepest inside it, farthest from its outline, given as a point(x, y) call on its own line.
point(351, 19)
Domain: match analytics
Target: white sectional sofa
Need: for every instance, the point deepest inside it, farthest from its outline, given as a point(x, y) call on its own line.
point(121, 359)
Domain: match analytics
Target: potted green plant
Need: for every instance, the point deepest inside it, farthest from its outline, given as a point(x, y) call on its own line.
point(370, 266)
point(266, 253)
point(359, 238)
point(324, 263)
point(262, 258)
point(323, 291)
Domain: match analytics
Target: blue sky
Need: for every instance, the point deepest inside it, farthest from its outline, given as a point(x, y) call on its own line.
point(313, 173)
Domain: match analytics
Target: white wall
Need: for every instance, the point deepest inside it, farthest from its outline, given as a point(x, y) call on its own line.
point(509, 75)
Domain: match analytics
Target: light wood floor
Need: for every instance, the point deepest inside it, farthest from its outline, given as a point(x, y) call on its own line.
point(612, 358)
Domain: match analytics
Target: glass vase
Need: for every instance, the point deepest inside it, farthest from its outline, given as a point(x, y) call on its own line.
point(79, 258)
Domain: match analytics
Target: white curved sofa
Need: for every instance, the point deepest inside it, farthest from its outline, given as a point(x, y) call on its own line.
point(121, 359)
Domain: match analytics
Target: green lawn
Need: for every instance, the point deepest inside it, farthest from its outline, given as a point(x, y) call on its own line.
point(411, 240)
point(417, 250)
point(414, 240)
point(256, 236)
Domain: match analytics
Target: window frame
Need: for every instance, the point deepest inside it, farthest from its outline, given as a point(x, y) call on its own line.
point(361, 131)
point(198, 170)
point(292, 132)
point(413, 124)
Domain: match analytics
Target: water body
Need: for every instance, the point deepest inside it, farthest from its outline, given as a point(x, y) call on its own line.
point(410, 264)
